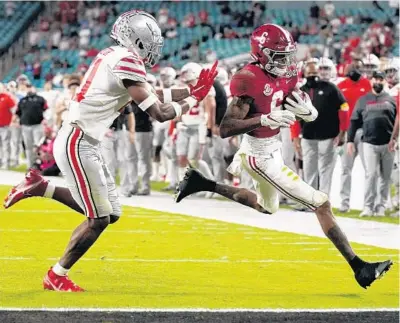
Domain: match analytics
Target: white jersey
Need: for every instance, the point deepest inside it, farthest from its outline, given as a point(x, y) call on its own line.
point(102, 94)
point(229, 96)
point(196, 115)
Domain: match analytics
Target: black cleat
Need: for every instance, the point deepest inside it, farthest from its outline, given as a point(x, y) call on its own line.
point(370, 272)
point(193, 182)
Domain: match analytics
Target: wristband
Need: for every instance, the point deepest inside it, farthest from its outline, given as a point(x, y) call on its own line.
point(209, 133)
point(167, 94)
point(148, 102)
point(177, 107)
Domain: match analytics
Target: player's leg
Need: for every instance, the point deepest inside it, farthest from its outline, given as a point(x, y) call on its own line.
point(386, 169)
point(326, 164)
point(88, 184)
point(36, 185)
point(27, 137)
point(143, 146)
point(310, 161)
point(182, 148)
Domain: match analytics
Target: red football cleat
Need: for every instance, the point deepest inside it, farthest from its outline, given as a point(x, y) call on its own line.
point(33, 185)
point(52, 281)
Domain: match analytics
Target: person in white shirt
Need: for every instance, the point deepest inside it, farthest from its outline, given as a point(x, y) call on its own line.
point(116, 77)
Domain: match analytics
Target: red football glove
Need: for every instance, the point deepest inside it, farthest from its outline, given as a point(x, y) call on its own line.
point(206, 80)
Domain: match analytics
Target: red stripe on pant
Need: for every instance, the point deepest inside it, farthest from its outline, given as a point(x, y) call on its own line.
point(257, 170)
point(78, 170)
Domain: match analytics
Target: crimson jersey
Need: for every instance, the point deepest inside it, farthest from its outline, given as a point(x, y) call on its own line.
point(267, 91)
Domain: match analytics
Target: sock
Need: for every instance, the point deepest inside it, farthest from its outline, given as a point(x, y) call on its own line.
point(60, 270)
point(156, 168)
point(356, 263)
point(173, 172)
point(181, 173)
point(49, 192)
point(205, 169)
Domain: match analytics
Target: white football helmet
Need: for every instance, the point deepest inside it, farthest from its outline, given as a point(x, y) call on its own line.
point(151, 79)
point(222, 76)
point(190, 72)
point(168, 76)
point(370, 65)
point(326, 69)
point(392, 71)
point(139, 31)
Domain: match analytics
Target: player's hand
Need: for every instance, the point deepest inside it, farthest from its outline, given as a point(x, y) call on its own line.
point(303, 108)
point(278, 119)
point(351, 148)
point(297, 147)
point(340, 139)
point(206, 80)
point(131, 137)
point(392, 145)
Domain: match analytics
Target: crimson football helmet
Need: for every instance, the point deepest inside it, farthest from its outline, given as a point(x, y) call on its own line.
point(274, 48)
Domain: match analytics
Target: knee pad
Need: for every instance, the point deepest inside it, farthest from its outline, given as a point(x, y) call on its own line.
point(157, 151)
point(114, 218)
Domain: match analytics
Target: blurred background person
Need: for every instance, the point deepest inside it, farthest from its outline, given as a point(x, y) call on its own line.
point(375, 112)
point(30, 115)
point(45, 161)
point(7, 104)
point(354, 86)
point(321, 137)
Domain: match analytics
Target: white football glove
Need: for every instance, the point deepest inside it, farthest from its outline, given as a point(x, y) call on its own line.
point(277, 119)
point(303, 108)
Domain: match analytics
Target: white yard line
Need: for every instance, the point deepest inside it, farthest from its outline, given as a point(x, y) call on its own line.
point(372, 233)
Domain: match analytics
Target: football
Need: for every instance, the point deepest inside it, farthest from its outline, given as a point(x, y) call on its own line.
point(291, 96)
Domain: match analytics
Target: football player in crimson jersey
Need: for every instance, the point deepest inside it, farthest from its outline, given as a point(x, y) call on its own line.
point(115, 78)
point(256, 111)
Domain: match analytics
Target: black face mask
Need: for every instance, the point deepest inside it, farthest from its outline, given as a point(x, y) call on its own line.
point(378, 87)
point(312, 81)
point(354, 75)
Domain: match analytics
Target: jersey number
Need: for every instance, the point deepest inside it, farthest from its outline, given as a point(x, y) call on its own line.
point(276, 101)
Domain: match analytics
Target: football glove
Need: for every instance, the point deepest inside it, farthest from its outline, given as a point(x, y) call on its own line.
point(303, 108)
point(278, 119)
point(204, 83)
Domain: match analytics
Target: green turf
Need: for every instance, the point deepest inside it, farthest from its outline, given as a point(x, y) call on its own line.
point(158, 186)
point(153, 259)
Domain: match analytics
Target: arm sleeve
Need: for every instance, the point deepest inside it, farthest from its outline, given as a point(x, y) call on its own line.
point(295, 130)
point(343, 108)
point(356, 120)
point(131, 68)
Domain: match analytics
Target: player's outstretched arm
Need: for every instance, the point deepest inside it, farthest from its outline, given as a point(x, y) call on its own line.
point(206, 77)
point(176, 95)
point(234, 122)
point(148, 101)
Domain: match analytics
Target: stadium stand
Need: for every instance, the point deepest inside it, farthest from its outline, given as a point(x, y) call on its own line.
point(15, 17)
point(222, 30)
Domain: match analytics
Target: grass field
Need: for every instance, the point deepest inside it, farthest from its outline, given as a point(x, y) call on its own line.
point(157, 260)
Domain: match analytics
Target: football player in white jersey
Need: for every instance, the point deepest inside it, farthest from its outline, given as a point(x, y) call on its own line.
point(167, 78)
point(115, 78)
point(192, 130)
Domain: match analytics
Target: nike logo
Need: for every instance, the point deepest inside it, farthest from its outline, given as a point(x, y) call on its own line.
point(304, 114)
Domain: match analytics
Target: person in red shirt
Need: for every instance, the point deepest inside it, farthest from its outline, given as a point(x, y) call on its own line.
point(7, 103)
point(353, 87)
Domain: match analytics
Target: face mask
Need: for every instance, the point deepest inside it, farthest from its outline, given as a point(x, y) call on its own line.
point(378, 87)
point(312, 81)
point(354, 75)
